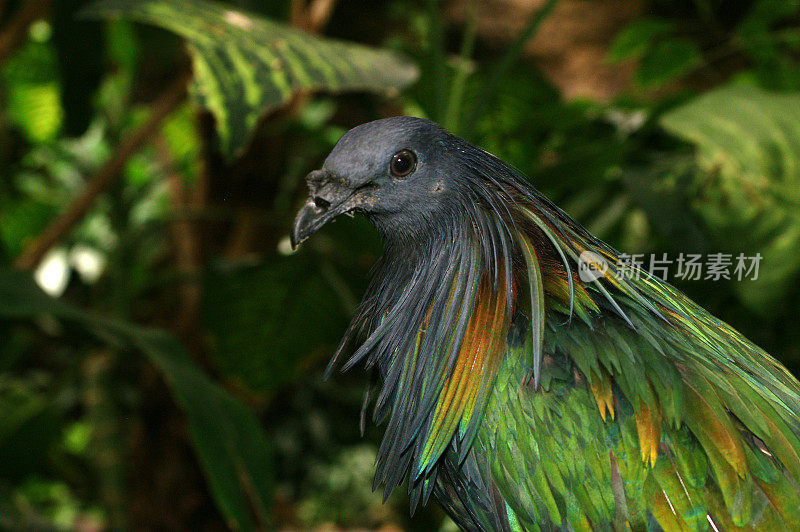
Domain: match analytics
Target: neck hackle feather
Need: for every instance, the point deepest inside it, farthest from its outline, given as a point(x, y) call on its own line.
point(497, 277)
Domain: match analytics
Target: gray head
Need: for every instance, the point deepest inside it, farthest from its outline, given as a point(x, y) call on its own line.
point(401, 172)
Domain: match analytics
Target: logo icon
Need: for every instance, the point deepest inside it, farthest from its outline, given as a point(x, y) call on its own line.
point(591, 266)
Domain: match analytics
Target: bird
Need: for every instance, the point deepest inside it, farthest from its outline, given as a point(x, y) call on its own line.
point(525, 395)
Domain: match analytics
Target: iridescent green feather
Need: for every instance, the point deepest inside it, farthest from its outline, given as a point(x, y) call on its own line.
point(528, 399)
point(727, 418)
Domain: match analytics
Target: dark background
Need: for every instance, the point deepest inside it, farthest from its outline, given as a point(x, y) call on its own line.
point(663, 126)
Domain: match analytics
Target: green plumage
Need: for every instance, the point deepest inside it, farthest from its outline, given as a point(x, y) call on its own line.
point(651, 413)
point(527, 399)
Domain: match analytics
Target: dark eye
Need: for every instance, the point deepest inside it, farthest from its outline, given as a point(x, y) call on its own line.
point(403, 163)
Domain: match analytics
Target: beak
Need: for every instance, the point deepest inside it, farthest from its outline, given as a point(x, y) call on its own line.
point(328, 199)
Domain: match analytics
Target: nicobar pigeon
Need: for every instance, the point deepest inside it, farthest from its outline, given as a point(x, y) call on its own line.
point(519, 395)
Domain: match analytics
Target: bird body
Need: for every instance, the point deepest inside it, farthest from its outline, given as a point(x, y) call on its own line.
point(520, 395)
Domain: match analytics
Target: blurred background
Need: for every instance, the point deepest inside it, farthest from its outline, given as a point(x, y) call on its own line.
point(162, 347)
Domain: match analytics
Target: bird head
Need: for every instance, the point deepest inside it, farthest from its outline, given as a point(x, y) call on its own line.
point(395, 171)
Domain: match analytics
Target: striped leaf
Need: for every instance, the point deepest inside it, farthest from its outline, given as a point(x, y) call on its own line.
point(748, 152)
point(246, 65)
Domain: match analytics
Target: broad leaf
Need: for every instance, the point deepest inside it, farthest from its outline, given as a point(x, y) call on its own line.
point(258, 320)
point(748, 189)
point(233, 448)
point(246, 65)
point(231, 445)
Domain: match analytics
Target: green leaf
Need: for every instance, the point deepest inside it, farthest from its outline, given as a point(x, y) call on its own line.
point(765, 35)
point(636, 38)
point(258, 317)
point(33, 93)
point(23, 219)
point(246, 65)
point(766, 13)
point(667, 61)
point(748, 188)
point(230, 444)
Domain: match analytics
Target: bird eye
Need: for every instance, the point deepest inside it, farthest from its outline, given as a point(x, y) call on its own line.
point(403, 163)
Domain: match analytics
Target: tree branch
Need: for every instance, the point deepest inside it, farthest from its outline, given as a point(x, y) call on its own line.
point(318, 14)
point(110, 171)
point(184, 239)
point(310, 17)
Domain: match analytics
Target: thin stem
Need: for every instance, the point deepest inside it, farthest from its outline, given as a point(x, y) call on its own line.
point(107, 434)
point(462, 72)
point(185, 242)
point(436, 58)
point(512, 55)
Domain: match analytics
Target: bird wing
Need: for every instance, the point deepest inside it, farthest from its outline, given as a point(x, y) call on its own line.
point(677, 421)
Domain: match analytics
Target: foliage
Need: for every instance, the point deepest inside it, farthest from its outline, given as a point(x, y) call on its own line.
point(248, 308)
point(230, 444)
point(748, 180)
point(33, 92)
point(173, 379)
point(245, 65)
point(668, 48)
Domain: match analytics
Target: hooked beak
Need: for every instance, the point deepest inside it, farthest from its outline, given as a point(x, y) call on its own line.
point(328, 199)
